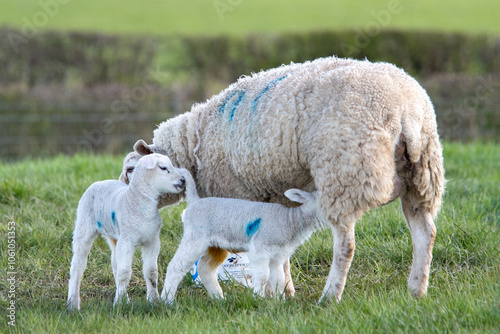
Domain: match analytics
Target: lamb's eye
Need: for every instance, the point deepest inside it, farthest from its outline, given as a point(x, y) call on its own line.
point(130, 169)
point(164, 168)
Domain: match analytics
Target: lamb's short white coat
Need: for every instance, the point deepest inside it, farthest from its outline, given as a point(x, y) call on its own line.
point(268, 232)
point(127, 215)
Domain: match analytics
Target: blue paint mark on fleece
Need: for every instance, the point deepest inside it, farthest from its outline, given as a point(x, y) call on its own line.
point(238, 101)
point(99, 225)
point(270, 85)
point(113, 217)
point(253, 227)
point(222, 107)
point(229, 104)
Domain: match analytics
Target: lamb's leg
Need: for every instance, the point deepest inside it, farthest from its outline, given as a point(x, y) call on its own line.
point(112, 246)
point(124, 254)
point(290, 289)
point(207, 269)
point(277, 280)
point(423, 233)
point(343, 252)
point(187, 254)
point(150, 254)
point(82, 242)
point(259, 266)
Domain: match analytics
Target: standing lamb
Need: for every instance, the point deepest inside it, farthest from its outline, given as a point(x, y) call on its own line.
point(269, 232)
point(128, 217)
point(362, 134)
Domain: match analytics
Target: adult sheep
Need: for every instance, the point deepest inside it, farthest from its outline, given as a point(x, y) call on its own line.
point(360, 133)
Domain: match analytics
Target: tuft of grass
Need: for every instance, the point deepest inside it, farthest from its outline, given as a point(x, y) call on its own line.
point(41, 195)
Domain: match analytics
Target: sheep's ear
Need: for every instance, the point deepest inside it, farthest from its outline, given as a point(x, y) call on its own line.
point(298, 195)
point(142, 148)
point(148, 161)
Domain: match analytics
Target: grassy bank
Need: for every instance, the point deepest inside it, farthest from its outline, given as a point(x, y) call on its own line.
point(238, 17)
point(41, 196)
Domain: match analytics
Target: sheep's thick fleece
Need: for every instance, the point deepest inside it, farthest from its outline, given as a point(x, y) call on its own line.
point(332, 125)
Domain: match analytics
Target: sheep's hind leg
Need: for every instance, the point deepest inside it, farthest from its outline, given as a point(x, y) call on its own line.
point(82, 243)
point(184, 257)
point(423, 233)
point(112, 247)
point(207, 269)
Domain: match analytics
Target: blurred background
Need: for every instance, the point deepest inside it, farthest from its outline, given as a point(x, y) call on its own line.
point(96, 76)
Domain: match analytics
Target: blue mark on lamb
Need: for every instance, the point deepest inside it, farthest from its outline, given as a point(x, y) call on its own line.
point(99, 225)
point(253, 227)
point(264, 90)
point(113, 217)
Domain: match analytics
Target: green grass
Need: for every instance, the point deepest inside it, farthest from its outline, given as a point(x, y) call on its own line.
point(201, 16)
point(41, 197)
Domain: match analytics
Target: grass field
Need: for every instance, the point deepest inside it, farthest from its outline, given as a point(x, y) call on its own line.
point(41, 196)
point(238, 17)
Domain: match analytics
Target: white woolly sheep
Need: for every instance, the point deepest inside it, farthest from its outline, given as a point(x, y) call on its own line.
point(128, 217)
point(362, 134)
point(269, 232)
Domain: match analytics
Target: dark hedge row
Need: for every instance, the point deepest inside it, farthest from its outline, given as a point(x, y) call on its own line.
point(67, 92)
point(90, 59)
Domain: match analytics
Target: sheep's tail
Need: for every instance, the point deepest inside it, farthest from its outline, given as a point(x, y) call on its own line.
point(190, 194)
point(425, 154)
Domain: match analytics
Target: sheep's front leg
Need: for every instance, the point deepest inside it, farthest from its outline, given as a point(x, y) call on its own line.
point(124, 254)
point(260, 273)
point(277, 281)
point(343, 252)
point(150, 254)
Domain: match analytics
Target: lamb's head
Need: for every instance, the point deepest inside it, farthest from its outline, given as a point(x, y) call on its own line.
point(309, 207)
point(156, 171)
point(129, 164)
point(142, 149)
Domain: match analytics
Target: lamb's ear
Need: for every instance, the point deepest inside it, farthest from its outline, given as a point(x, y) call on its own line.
point(142, 148)
point(149, 161)
point(298, 195)
point(123, 177)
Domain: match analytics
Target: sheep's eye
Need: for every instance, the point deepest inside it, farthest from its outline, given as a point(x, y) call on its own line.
point(164, 168)
point(130, 169)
